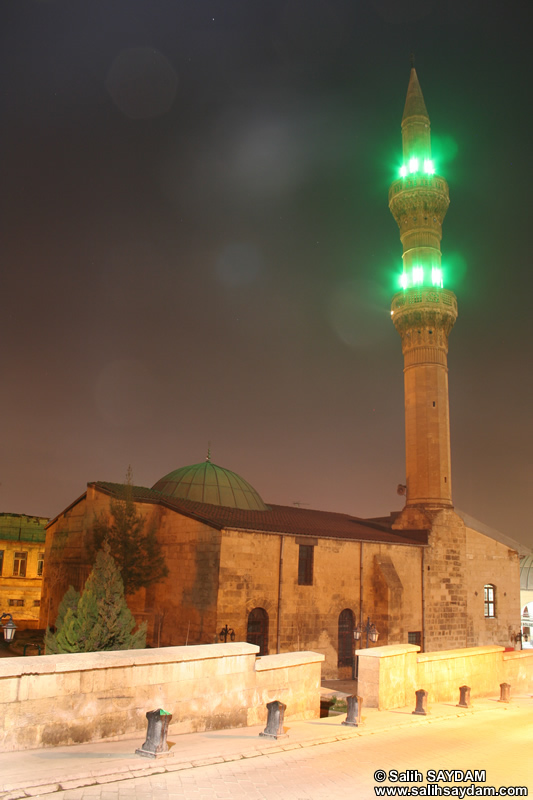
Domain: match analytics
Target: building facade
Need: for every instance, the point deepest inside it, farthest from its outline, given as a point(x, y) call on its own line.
point(289, 578)
point(22, 544)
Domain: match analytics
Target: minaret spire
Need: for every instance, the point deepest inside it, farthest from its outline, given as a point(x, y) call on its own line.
point(423, 312)
point(416, 136)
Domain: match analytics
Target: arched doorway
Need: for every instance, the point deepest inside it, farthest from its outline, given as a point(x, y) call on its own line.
point(346, 629)
point(257, 630)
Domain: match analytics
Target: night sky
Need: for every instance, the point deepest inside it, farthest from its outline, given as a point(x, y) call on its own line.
point(196, 246)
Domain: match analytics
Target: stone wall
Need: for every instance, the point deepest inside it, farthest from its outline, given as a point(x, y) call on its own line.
point(308, 616)
point(389, 676)
point(490, 562)
point(85, 697)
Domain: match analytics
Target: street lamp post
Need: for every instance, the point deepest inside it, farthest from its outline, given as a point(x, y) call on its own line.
point(225, 632)
point(9, 628)
point(369, 629)
point(371, 633)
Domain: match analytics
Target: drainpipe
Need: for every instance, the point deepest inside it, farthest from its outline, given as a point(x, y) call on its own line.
point(423, 589)
point(280, 574)
point(361, 585)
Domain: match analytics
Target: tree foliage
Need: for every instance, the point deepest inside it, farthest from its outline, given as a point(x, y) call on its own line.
point(99, 619)
point(132, 542)
point(69, 602)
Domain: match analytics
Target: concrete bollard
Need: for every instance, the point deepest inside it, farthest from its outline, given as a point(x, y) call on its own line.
point(464, 697)
point(505, 692)
point(421, 702)
point(355, 706)
point(156, 735)
point(274, 728)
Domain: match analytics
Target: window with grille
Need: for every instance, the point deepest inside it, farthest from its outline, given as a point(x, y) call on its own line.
point(490, 600)
point(20, 563)
point(305, 565)
point(414, 637)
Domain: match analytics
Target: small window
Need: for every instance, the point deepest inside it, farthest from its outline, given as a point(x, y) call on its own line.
point(20, 563)
point(36, 603)
point(40, 562)
point(414, 637)
point(17, 602)
point(490, 595)
point(305, 565)
point(1, 560)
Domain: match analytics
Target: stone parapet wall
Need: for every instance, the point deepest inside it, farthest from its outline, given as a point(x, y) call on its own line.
point(390, 675)
point(56, 700)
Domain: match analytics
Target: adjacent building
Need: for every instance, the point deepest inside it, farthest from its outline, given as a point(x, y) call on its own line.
point(22, 542)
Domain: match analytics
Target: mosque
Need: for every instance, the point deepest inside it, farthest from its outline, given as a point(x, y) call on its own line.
point(289, 578)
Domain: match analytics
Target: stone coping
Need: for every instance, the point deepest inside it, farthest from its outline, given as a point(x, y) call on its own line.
point(388, 650)
point(512, 654)
point(80, 662)
point(463, 652)
point(281, 660)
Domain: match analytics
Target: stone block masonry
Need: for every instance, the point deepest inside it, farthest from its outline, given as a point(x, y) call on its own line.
point(57, 700)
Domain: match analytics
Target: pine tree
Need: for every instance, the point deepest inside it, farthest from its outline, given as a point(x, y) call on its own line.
point(101, 620)
point(132, 543)
point(69, 602)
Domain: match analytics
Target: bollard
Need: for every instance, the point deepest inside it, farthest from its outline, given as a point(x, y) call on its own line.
point(421, 702)
point(355, 706)
point(505, 692)
point(156, 735)
point(274, 728)
point(464, 697)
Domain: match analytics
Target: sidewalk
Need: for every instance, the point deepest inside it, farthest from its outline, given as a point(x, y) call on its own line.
point(29, 773)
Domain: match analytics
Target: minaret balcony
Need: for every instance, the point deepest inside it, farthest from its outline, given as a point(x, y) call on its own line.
point(421, 296)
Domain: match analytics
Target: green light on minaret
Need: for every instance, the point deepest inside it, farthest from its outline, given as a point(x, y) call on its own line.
point(436, 277)
point(418, 276)
point(413, 167)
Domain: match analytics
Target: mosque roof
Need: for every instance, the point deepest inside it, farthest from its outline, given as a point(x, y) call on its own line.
point(526, 573)
point(275, 519)
point(208, 483)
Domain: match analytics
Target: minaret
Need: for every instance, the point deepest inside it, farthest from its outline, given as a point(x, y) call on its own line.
point(423, 313)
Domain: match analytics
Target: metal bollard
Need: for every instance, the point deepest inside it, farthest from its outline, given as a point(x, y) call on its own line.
point(421, 702)
point(274, 728)
point(505, 693)
point(464, 697)
point(355, 706)
point(156, 735)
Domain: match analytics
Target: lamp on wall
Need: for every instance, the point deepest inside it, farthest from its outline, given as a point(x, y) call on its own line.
point(225, 632)
point(9, 628)
point(370, 630)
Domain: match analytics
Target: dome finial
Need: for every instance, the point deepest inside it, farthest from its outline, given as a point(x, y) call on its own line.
point(208, 456)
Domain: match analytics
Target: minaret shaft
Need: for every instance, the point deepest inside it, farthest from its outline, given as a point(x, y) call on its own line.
point(423, 313)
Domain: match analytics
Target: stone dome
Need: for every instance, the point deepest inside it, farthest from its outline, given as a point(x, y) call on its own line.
point(208, 483)
point(526, 574)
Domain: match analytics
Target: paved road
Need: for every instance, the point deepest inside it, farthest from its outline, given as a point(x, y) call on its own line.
point(500, 742)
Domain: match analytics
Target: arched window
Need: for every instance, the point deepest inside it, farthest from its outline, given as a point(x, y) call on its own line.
point(257, 631)
point(489, 591)
point(346, 629)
